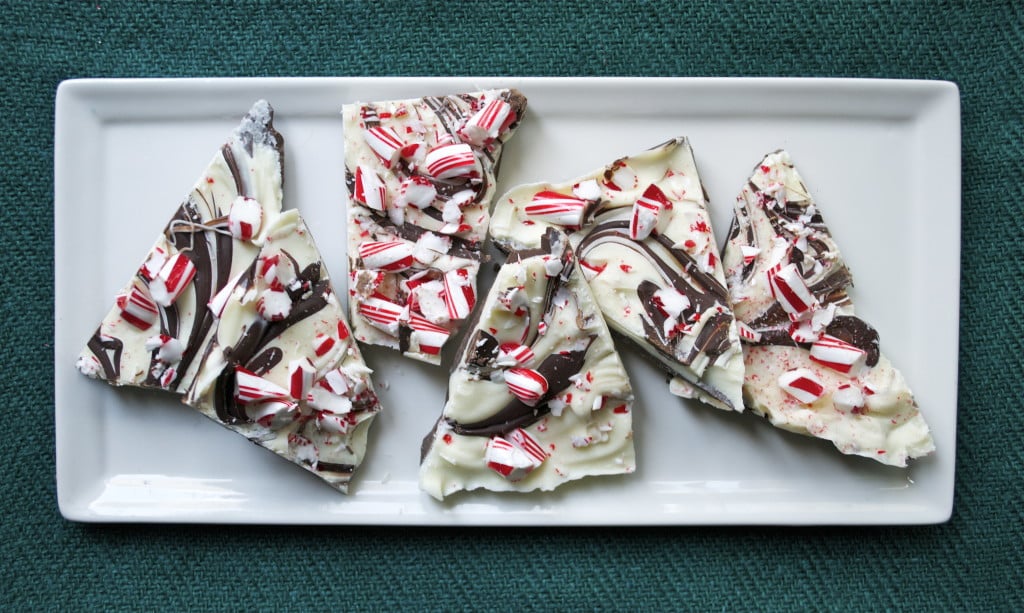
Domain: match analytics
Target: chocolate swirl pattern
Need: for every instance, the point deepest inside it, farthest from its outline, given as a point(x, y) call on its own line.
point(538, 396)
point(159, 325)
point(420, 176)
point(812, 365)
point(643, 234)
point(282, 368)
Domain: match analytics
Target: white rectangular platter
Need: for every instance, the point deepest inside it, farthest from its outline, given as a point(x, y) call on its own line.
point(881, 157)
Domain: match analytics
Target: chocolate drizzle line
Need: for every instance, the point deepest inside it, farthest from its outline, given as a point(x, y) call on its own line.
point(556, 368)
point(108, 352)
point(773, 323)
point(249, 352)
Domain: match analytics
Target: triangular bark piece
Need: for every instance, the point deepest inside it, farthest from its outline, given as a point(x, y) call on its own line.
point(812, 365)
point(538, 397)
point(154, 334)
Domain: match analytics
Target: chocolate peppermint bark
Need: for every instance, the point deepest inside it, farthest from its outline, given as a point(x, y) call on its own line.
point(538, 396)
point(421, 176)
point(812, 365)
point(641, 229)
point(160, 323)
point(282, 368)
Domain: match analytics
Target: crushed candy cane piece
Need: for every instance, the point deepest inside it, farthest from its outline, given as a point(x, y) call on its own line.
point(837, 354)
point(385, 142)
point(174, 276)
point(452, 161)
point(274, 305)
point(802, 384)
point(300, 378)
point(459, 293)
point(646, 211)
point(513, 354)
point(250, 387)
point(508, 460)
point(137, 307)
point(417, 191)
point(488, 123)
point(556, 208)
point(393, 256)
point(527, 385)
point(789, 289)
point(245, 218)
point(848, 398)
point(369, 189)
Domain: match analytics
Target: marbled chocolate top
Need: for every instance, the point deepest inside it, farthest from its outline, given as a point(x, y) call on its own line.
point(643, 234)
point(154, 338)
point(538, 370)
point(421, 176)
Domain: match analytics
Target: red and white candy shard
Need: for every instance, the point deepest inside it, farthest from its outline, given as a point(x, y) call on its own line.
point(174, 276)
point(452, 161)
point(151, 267)
point(385, 143)
point(749, 253)
point(273, 414)
point(369, 189)
point(277, 272)
point(556, 208)
point(391, 256)
point(459, 293)
point(417, 191)
point(528, 445)
point(838, 355)
point(670, 302)
point(250, 387)
point(526, 384)
point(137, 307)
point(848, 398)
point(430, 336)
point(789, 289)
point(488, 123)
point(301, 374)
point(331, 422)
point(168, 349)
point(507, 460)
point(802, 384)
point(747, 333)
point(274, 305)
point(322, 343)
point(646, 211)
point(513, 354)
point(382, 314)
point(245, 218)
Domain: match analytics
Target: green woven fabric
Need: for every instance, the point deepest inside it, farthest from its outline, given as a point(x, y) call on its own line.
point(973, 562)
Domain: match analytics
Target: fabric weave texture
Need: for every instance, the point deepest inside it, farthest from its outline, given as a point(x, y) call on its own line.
point(974, 562)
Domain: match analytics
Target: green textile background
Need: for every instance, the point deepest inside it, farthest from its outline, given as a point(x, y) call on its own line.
point(973, 562)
